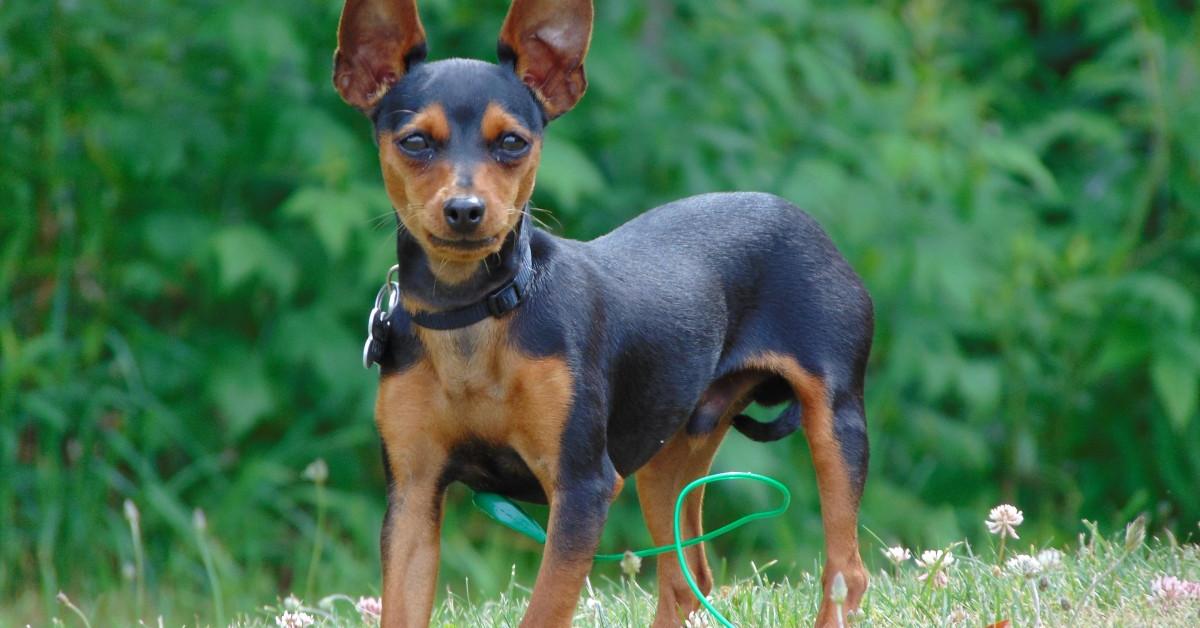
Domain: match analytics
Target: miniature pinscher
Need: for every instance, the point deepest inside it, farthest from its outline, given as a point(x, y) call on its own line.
point(549, 370)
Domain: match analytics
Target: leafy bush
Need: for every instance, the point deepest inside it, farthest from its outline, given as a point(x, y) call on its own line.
point(193, 226)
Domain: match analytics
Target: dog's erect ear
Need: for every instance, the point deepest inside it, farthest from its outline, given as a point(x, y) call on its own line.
point(378, 41)
point(546, 41)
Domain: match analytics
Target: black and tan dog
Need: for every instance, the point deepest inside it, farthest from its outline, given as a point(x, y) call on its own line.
point(550, 370)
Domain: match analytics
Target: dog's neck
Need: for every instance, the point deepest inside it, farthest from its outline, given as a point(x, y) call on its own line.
point(423, 284)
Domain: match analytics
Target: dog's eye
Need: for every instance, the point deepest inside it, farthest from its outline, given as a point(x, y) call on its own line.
point(414, 144)
point(513, 143)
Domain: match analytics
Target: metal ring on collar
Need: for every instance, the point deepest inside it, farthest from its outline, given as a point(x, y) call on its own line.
point(390, 288)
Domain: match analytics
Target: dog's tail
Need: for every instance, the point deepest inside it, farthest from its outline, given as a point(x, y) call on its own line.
point(787, 422)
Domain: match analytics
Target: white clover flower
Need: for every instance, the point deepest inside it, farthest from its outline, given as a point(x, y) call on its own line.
point(1170, 590)
point(294, 619)
point(1003, 520)
point(897, 554)
point(936, 562)
point(370, 609)
point(935, 559)
point(1024, 565)
point(698, 619)
point(1049, 558)
point(630, 564)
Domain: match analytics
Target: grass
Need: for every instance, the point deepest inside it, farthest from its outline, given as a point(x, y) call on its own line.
point(1097, 581)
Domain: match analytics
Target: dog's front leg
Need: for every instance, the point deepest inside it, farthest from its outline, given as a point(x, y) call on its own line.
point(410, 539)
point(578, 511)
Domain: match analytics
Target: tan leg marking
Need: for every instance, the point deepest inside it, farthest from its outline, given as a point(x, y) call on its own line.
point(542, 397)
point(411, 540)
point(839, 498)
point(683, 459)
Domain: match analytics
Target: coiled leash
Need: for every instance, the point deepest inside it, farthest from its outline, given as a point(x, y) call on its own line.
point(510, 515)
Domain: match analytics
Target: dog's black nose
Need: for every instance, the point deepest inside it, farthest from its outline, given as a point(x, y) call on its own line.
point(464, 213)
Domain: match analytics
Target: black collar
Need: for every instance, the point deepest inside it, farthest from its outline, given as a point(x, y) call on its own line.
point(498, 302)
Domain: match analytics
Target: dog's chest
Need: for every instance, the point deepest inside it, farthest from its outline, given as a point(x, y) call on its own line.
point(477, 376)
point(473, 385)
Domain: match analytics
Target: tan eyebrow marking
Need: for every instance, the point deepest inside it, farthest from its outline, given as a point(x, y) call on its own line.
point(497, 121)
point(432, 120)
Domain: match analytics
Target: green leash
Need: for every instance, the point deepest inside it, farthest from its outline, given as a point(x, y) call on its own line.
point(511, 516)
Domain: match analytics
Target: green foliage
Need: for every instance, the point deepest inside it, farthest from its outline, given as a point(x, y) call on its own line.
point(191, 225)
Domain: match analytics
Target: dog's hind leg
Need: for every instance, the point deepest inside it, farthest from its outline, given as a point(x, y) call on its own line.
point(840, 460)
point(687, 456)
point(835, 426)
point(684, 458)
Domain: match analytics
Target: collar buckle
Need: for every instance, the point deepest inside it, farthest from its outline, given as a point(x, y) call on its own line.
point(504, 300)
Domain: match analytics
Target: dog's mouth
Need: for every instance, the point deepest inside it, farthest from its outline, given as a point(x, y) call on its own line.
point(465, 245)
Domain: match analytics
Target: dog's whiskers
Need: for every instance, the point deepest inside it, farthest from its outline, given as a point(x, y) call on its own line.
point(377, 222)
point(538, 221)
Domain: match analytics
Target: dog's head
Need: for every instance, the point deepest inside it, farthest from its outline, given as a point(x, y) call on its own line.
point(460, 140)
